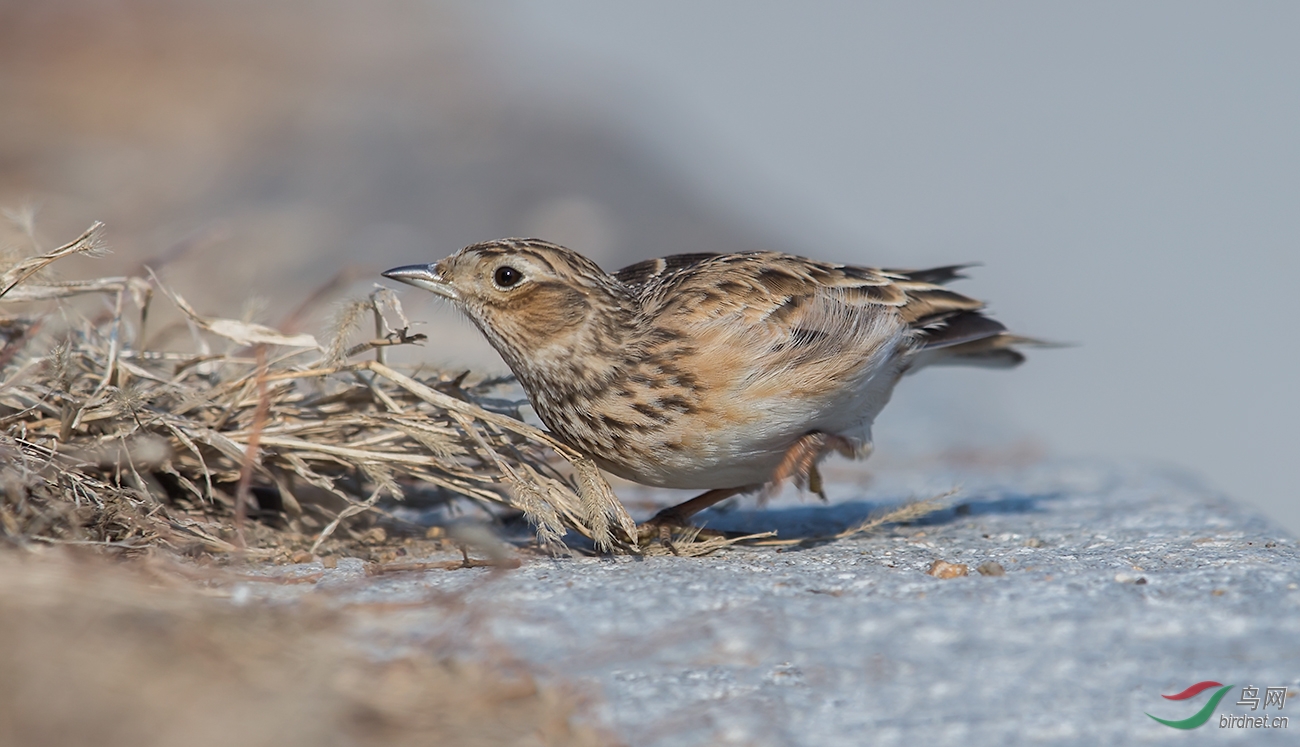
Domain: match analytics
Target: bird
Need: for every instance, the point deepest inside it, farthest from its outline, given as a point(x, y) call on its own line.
point(727, 373)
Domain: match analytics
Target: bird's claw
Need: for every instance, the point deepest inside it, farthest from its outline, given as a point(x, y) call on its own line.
point(660, 528)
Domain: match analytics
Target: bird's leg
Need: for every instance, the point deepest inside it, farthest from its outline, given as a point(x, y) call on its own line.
point(800, 463)
point(680, 515)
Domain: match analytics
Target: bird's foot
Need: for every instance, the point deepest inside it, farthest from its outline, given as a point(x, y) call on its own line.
point(661, 525)
point(815, 483)
point(801, 460)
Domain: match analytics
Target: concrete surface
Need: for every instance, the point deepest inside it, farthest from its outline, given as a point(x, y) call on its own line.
point(1120, 585)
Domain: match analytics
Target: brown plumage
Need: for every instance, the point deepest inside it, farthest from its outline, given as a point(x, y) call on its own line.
point(724, 372)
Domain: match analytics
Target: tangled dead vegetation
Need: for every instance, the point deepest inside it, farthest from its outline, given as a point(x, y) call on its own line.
point(245, 438)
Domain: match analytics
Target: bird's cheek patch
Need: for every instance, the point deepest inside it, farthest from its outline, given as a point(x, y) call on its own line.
point(547, 308)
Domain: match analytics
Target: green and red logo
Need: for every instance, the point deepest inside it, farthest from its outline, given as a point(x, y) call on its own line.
point(1203, 715)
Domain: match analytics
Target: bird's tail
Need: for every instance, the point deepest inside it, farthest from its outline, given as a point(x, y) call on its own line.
point(972, 339)
point(952, 329)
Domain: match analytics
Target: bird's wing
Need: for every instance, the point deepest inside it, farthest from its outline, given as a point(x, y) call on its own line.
point(650, 270)
point(777, 327)
point(800, 310)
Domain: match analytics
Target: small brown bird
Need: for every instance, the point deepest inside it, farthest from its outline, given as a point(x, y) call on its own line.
point(725, 372)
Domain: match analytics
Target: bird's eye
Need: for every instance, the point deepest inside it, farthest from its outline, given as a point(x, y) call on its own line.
point(507, 276)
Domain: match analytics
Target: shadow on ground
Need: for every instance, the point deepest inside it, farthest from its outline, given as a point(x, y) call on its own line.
point(813, 522)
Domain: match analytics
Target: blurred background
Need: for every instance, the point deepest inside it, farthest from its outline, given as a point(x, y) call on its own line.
point(1128, 173)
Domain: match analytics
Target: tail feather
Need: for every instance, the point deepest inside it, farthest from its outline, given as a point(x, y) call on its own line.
point(996, 351)
point(992, 352)
point(936, 275)
point(959, 329)
point(952, 329)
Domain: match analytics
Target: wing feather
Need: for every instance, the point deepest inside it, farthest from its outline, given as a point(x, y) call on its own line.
point(805, 310)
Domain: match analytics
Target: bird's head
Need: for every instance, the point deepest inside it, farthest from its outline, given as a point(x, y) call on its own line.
point(530, 298)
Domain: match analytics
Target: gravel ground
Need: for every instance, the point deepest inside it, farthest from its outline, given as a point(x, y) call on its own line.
point(1119, 586)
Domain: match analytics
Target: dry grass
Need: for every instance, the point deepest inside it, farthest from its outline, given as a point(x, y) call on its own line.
point(98, 654)
point(239, 440)
point(111, 436)
point(901, 514)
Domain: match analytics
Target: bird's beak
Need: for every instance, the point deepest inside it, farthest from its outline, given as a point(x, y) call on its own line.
point(423, 276)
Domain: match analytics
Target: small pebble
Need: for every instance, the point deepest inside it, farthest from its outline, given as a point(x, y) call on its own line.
point(944, 569)
point(991, 569)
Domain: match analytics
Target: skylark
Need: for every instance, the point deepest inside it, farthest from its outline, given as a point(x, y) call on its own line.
point(720, 372)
